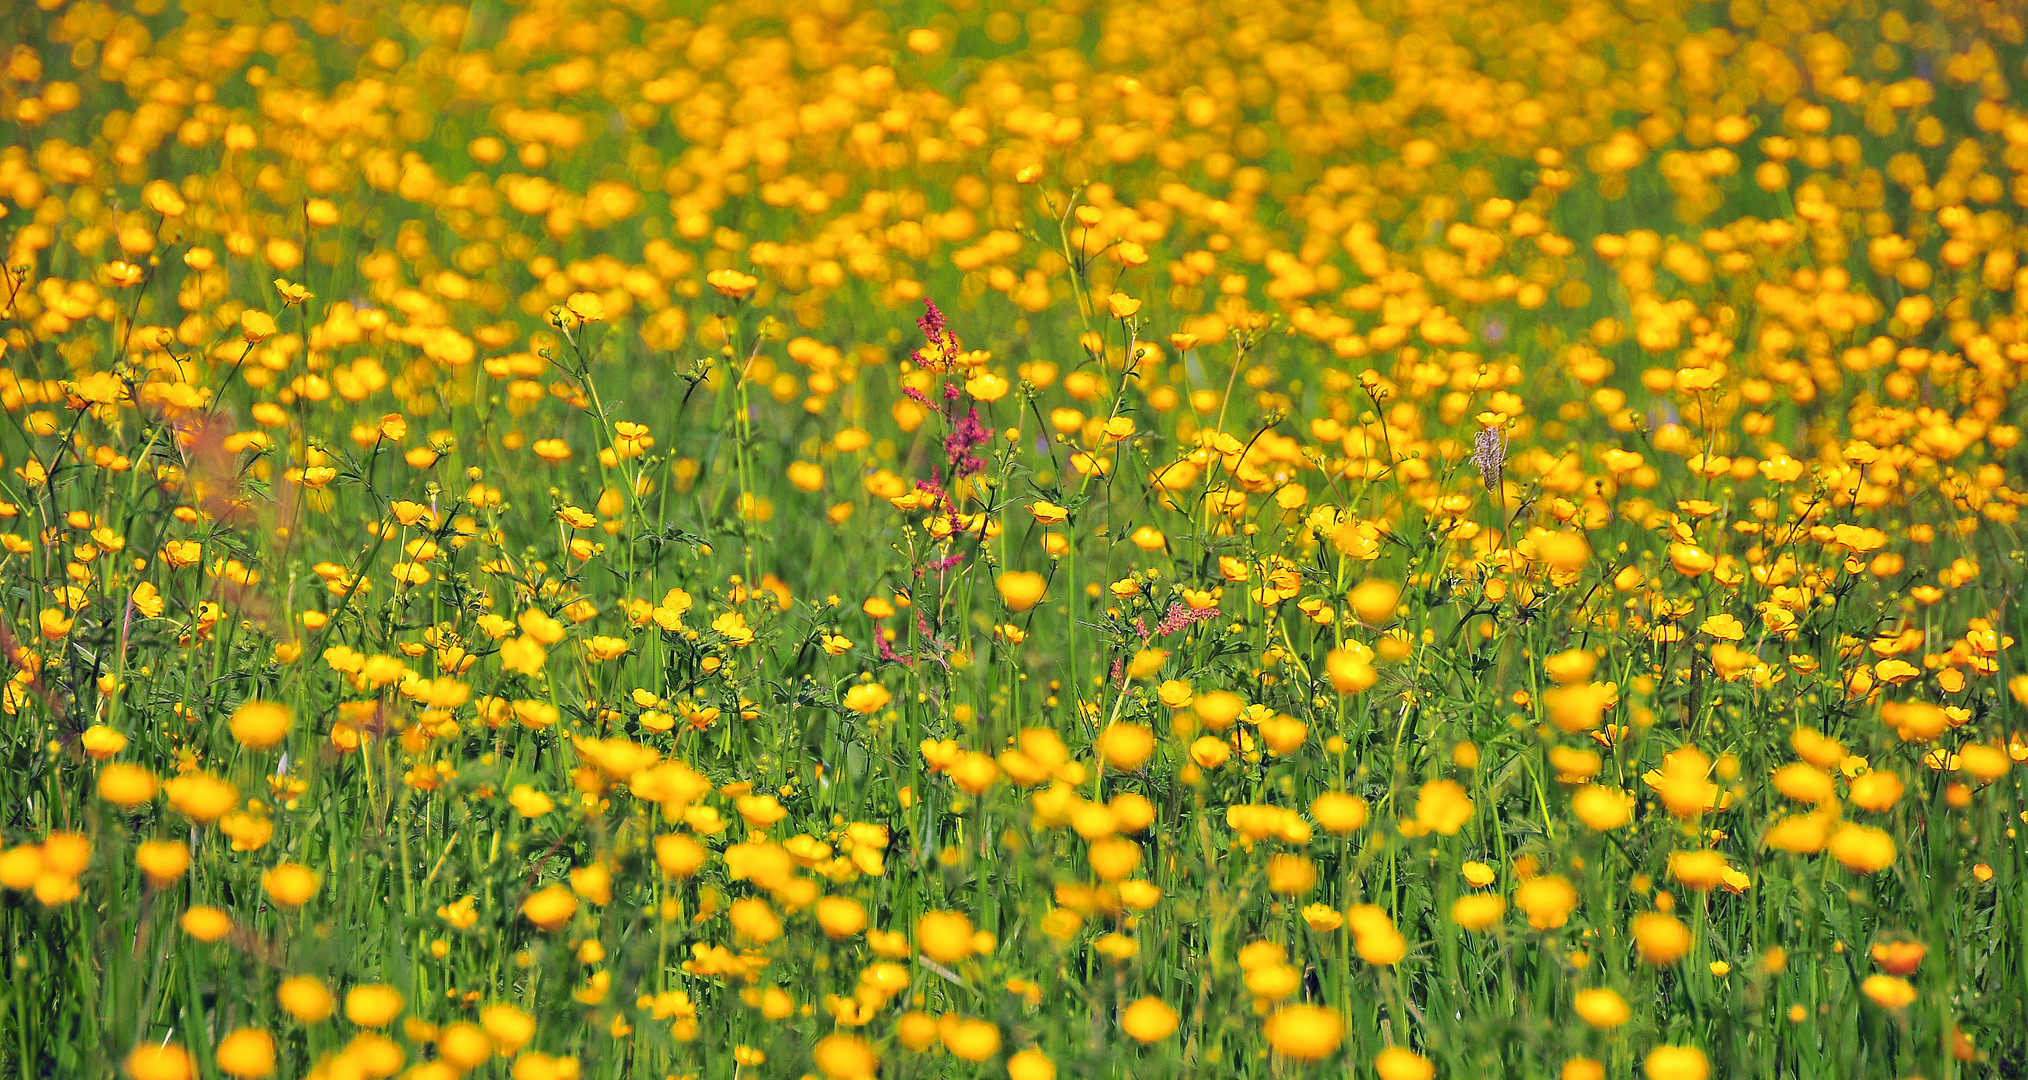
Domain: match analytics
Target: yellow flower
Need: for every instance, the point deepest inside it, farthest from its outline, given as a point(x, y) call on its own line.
point(1142, 895)
point(550, 907)
point(1048, 513)
point(510, 1028)
point(1273, 981)
point(1021, 589)
point(1579, 707)
point(99, 388)
point(246, 1053)
point(168, 1061)
point(1291, 874)
point(1219, 708)
point(1350, 669)
point(163, 861)
point(1899, 957)
point(1582, 1068)
point(1863, 848)
point(1601, 808)
point(944, 936)
point(841, 917)
point(1877, 791)
point(148, 600)
point(867, 698)
point(1305, 1032)
point(1888, 992)
point(126, 785)
point(1323, 918)
point(1547, 900)
point(54, 624)
point(987, 386)
point(102, 742)
point(259, 725)
point(1478, 911)
point(535, 716)
point(586, 307)
point(731, 284)
point(256, 326)
point(1722, 627)
point(1399, 1063)
point(1661, 938)
point(847, 1057)
point(1148, 1019)
point(542, 627)
point(732, 626)
point(1376, 939)
point(753, 920)
point(373, 1005)
point(289, 884)
point(1339, 813)
point(306, 998)
point(1804, 783)
point(528, 802)
point(1781, 468)
point(1209, 751)
point(969, 1039)
point(1690, 560)
point(1282, 734)
point(1127, 745)
point(594, 883)
point(1031, 1064)
point(1801, 833)
point(205, 923)
point(1571, 666)
point(1684, 785)
point(1676, 1063)
point(678, 855)
point(1602, 1009)
point(1699, 871)
point(1443, 806)
point(1374, 601)
point(916, 1030)
point(523, 655)
point(464, 1045)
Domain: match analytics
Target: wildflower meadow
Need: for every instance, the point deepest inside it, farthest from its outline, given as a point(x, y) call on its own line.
point(824, 539)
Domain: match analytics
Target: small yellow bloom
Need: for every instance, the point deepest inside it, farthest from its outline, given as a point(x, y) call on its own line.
point(289, 884)
point(247, 1053)
point(731, 284)
point(373, 1005)
point(1021, 589)
point(305, 998)
point(1149, 1019)
point(550, 907)
point(256, 326)
point(259, 725)
point(168, 1061)
point(586, 307)
point(1305, 1032)
point(1602, 1009)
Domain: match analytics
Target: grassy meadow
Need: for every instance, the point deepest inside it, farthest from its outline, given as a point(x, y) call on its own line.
point(1401, 539)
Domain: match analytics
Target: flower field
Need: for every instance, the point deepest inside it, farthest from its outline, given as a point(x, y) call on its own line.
point(552, 539)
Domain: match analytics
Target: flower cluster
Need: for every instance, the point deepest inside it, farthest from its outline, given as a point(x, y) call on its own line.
point(1456, 539)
